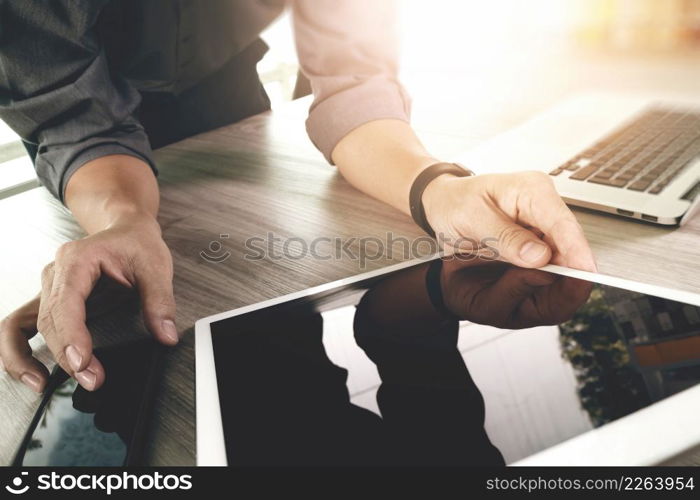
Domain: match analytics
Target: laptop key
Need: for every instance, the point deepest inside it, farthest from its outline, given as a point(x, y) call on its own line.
point(619, 182)
point(608, 182)
point(644, 156)
point(639, 185)
point(626, 178)
point(584, 173)
point(605, 174)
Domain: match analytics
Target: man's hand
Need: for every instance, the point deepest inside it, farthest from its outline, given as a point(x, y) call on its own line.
point(520, 215)
point(115, 199)
point(132, 254)
point(521, 212)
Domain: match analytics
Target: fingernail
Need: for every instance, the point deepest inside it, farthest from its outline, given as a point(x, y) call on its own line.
point(87, 379)
point(31, 381)
point(170, 331)
point(531, 251)
point(74, 357)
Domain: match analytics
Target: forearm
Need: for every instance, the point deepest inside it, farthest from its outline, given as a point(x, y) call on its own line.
point(382, 158)
point(112, 188)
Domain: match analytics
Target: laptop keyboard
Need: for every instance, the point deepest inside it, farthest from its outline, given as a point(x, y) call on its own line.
point(644, 155)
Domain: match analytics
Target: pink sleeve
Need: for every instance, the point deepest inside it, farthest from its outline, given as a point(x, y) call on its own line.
point(348, 49)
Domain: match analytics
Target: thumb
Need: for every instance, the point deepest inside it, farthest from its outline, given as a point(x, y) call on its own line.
point(519, 246)
point(158, 305)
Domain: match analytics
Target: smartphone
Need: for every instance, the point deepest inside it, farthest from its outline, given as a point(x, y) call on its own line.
point(106, 427)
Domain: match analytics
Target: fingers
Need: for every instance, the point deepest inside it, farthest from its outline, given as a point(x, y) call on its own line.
point(93, 376)
point(25, 317)
point(572, 248)
point(130, 255)
point(543, 208)
point(514, 243)
point(15, 351)
point(65, 288)
point(155, 286)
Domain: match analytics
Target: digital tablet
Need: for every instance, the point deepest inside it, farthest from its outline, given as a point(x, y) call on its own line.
point(107, 427)
point(452, 362)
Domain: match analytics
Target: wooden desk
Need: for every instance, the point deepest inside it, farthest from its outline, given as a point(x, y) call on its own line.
point(263, 175)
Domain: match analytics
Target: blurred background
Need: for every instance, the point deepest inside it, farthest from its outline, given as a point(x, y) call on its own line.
point(458, 36)
point(503, 60)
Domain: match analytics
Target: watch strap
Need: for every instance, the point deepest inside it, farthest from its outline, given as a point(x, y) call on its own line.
point(421, 182)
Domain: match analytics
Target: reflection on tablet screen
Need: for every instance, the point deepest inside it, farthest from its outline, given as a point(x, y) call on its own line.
point(516, 361)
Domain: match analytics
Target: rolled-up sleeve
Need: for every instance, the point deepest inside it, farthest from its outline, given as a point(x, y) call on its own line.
point(57, 91)
point(348, 49)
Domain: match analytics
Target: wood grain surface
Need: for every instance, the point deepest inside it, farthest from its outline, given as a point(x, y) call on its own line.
point(262, 175)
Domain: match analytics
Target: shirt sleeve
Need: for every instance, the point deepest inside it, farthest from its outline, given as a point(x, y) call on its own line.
point(348, 49)
point(57, 92)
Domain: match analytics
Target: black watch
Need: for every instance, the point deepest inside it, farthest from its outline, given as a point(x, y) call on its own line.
point(415, 197)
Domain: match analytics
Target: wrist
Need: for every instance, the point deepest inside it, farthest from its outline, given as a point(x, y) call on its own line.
point(112, 190)
point(131, 217)
point(434, 196)
point(421, 183)
point(112, 211)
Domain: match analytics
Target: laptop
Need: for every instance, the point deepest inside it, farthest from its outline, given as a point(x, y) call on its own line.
point(635, 156)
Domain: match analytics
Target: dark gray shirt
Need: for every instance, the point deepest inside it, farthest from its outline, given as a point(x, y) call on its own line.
point(71, 71)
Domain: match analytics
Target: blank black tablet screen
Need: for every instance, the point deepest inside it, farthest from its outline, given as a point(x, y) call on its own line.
point(512, 362)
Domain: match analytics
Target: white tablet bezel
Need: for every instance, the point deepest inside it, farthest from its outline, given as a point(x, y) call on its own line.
point(211, 450)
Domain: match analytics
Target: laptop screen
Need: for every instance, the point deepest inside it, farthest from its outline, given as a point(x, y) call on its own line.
point(508, 362)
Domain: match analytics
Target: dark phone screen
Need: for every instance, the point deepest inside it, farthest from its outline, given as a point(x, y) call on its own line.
point(379, 378)
point(75, 427)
